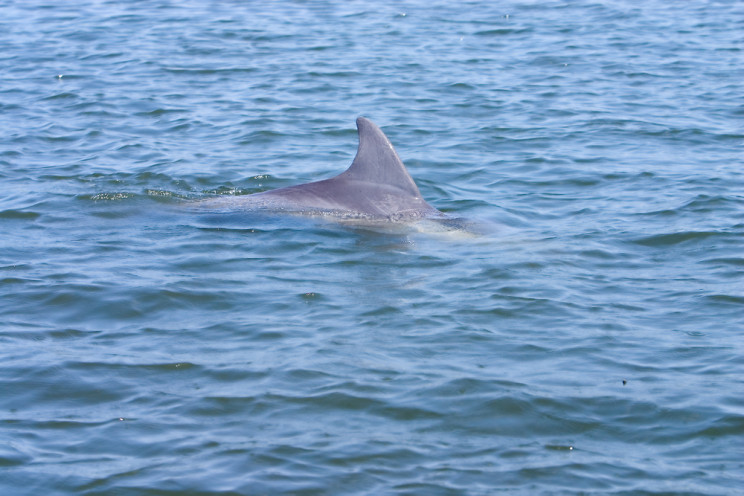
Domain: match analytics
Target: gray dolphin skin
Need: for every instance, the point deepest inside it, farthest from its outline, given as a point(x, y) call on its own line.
point(376, 187)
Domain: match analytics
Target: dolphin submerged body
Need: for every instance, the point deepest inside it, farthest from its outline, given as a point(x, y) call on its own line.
point(375, 188)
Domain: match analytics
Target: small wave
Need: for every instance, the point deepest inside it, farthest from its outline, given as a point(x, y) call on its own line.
point(726, 299)
point(19, 215)
point(739, 262)
point(62, 96)
point(502, 31)
point(670, 239)
point(206, 72)
point(161, 111)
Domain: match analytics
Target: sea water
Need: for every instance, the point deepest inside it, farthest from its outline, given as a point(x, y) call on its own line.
point(589, 342)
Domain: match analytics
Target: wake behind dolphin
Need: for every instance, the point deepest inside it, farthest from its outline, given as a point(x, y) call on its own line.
point(376, 187)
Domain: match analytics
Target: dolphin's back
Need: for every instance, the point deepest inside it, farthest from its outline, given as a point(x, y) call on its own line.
point(375, 186)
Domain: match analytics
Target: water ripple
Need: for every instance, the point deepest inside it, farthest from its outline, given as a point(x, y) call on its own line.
point(592, 324)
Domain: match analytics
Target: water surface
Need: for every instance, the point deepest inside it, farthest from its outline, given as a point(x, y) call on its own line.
point(590, 343)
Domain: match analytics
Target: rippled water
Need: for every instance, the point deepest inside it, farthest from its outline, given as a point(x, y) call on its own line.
point(589, 342)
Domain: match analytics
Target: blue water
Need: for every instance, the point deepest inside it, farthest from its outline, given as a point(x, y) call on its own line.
point(589, 341)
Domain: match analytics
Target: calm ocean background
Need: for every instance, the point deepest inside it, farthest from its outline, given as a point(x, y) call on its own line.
point(591, 341)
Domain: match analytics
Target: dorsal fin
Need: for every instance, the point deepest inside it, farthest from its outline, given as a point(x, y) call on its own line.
point(377, 162)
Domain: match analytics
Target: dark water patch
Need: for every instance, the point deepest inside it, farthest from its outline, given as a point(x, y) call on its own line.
point(340, 74)
point(261, 136)
point(19, 215)
point(161, 111)
point(559, 447)
point(125, 369)
point(496, 32)
point(11, 456)
point(671, 239)
point(187, 71)
point(62, 96)
point(69, 333)
point(71, 425)
point(599, 254)
point(737, 262)
point(460, 86)
point(706, 203)
point(724, 299)
point(558, 183)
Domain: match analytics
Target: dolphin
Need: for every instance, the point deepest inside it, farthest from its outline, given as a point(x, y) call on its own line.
point(376, 187)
